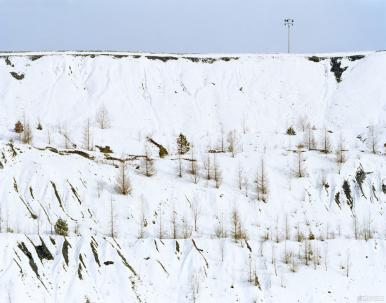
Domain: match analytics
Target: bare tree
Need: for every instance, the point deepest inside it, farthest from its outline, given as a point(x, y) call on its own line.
point(193, 165)
point(66, 138)
point(160, 225)
point(186, 229)
point(217, 175)
point(196, 214)
point(326, 144)
point(174, 225)
point(309, 138)
point(148, 163)
point(372, 139)
point(87, 136)
point(26, 137)
point(273, 258)
point(179, 165)
point(262, 183)
point(326, 257)
point(246, 184)
point(299, 170)
point(48, 137)
point(195, 174)
point(340, 152)
point(244, 125)
point(142, 219)
point(348, 264)
point(207, 167)
point(303, 123)
point(238, 232)
point(220, 230)
point(102, 117)
point(222, 147)
point(231, 139)
point(122, 183)
point(240, 178)
point(112, 230)
point(287, 228)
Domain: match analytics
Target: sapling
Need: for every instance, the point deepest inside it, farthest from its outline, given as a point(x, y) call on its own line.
point(102, 117)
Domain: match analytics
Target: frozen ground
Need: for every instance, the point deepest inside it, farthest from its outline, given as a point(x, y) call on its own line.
point(172, 239)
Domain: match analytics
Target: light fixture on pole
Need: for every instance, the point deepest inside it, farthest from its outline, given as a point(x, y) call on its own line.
point(289, 23)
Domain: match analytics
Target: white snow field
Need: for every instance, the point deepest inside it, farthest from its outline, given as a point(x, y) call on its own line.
point(314, 230)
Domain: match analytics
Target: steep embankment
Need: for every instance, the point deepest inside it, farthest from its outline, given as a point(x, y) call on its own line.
point(317, 231)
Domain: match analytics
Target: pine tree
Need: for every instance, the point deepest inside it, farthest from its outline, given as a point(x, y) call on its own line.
point(61, 227)
point(183, 144)
point(291, 131)
point(19, 127)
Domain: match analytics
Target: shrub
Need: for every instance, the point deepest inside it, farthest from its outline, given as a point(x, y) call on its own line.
point(291, 131)
point(19, 127)
point(61, 227)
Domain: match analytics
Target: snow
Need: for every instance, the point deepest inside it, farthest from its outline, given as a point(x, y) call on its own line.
point(160, 96)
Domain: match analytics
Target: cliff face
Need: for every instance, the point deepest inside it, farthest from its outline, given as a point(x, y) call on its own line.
point(186, 238)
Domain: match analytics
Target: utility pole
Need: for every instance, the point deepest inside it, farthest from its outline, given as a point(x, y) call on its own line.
point(289, 23)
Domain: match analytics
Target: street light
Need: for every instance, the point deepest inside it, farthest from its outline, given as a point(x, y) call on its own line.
point(289, 23)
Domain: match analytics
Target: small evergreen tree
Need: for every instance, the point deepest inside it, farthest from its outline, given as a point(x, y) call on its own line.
point(183, 145)
point(291, 131)
point(61, 227)
point(19, 127)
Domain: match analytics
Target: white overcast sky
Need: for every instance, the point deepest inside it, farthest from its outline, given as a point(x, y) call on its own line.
point(222, 26)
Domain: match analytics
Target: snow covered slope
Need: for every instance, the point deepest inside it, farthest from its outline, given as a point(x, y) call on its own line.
point(318, 236)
